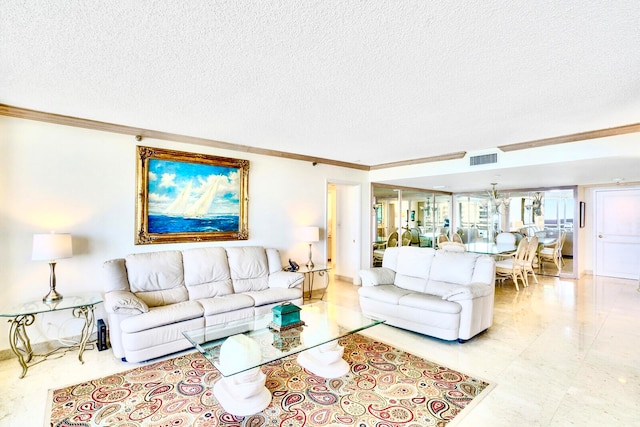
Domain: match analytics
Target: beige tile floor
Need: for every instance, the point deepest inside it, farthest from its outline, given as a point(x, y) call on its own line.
point(561, 353)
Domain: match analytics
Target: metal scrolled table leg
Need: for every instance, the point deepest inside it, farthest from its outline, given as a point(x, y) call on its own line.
point(87, 329)
point(326, 284)
point(311, 284)
point(17, 335)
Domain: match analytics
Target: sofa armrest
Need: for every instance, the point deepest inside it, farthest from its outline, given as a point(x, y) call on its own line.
point(377, 276)
point(285, 279)
point(468, 292)
point(124, 302)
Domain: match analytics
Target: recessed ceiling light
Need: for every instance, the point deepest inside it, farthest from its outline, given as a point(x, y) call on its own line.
point(618, 180)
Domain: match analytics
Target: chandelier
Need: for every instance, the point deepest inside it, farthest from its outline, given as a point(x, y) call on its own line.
point(498, 200)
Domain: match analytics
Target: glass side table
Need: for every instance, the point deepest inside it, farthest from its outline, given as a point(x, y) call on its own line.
point(309, 274)
point(24, 314)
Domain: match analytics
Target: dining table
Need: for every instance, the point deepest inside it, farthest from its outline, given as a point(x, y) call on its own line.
point(489, 248)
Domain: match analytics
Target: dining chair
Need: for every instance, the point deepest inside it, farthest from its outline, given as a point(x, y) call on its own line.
point(406, 238)
point(530, 259)
point(378, 253)
point(455, 237)
point(553, 252)
point(442, 238)
point(514, 266)
point(506, 239)
point(415, 237)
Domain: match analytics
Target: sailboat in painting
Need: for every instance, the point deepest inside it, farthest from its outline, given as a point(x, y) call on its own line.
point(200, 207)
point(180, 207)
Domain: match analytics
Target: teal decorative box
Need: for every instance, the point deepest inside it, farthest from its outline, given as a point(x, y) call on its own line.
point(285, 316)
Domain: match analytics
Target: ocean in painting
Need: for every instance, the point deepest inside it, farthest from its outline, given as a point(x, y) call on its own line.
point(161, 224)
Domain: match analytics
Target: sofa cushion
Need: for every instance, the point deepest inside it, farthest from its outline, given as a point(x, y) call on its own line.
point(270, 296)
point(467, 292)
point(206, 272)
point(273, 259)
point(411, 283)
point(160, 316)
point(249, 268)
point(440, 289)
point(377, 276)
point(224, 304)
point(484, 271)
point(413, 265)
point(453, 267)
point(389, 294)
point(390, 258)
point(115, 275)
point(429, 303)
point(157, 278)
point(414, 261)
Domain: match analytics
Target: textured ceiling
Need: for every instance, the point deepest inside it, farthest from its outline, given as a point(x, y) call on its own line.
point(369, 82)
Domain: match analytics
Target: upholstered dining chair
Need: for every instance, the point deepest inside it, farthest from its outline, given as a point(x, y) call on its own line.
point(378, 253)
point(514, 266)
point(455, 237)
point(442, 238)
point(406, 238)
point(415, 237)
point(505, 239)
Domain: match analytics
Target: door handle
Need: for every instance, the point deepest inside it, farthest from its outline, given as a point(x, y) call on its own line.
point(599, 236)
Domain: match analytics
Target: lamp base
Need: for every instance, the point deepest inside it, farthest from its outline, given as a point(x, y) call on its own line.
point(52, 296)
point(310, 264)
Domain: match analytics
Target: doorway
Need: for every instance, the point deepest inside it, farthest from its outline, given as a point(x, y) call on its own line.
point(344, 225)
point(617, 219)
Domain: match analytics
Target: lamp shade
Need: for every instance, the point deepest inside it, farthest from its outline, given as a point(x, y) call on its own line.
point(310, 234)
point(50, 247)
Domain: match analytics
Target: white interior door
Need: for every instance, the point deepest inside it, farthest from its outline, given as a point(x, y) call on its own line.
point(618, 233)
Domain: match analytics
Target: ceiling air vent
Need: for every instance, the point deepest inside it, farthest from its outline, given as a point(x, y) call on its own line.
point(483, 159)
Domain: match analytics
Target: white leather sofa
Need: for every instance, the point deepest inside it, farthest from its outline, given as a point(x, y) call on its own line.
point(151, 298)
point(447, 295)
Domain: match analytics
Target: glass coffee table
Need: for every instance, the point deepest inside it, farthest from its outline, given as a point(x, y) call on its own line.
point(238, 348)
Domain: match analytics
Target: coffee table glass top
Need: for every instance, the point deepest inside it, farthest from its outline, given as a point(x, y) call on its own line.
point(324, 323)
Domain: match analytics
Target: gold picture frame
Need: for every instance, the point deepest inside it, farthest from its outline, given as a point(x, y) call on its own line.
point(190, 197)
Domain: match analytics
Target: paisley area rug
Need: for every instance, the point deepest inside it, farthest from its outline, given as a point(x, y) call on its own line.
point(385, 387)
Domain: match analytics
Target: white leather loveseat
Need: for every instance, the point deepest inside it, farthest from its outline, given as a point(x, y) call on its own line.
point(447, 295)
point(151, 298)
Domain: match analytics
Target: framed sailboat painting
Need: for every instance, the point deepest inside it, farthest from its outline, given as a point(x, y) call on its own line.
point(190, 197)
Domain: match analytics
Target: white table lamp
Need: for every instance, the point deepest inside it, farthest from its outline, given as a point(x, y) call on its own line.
point(310, 234)
point(51, 247)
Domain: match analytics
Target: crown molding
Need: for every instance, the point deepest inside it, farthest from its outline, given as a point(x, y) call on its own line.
point(574, 137)
point(140, 133)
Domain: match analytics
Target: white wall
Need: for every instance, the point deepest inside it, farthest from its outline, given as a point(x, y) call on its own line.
point(66, 179)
